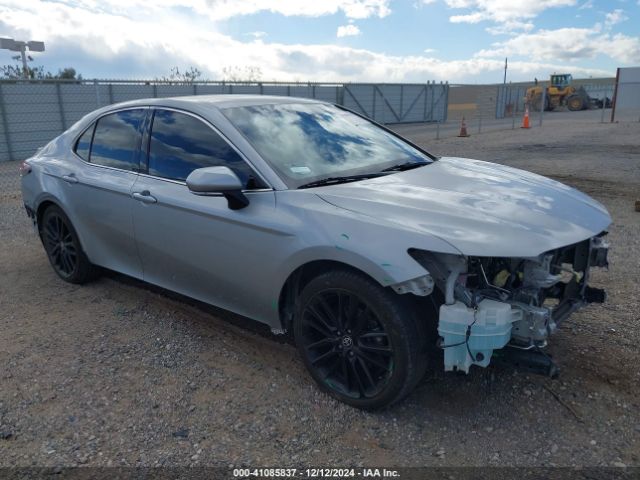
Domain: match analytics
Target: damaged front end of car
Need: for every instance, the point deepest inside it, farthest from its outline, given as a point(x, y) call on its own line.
point(493, 302)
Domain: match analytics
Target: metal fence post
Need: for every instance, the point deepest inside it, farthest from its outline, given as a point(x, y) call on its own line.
point(110, 93)
point(97, 88)
point(615, 95)
point(434, 103)
point(373, 110)
point(5, 124)
point(544, 99)
point(63, 119)
point(604, 105)
point(445, 111)
point(426, 93)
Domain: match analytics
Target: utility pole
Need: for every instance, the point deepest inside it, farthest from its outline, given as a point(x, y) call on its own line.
point(504, 81)
point(20, 46)
point(23, 54)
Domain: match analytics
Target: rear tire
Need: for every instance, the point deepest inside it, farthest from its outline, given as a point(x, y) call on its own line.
point(63, 247)
point(363, 344)
point(536, 103)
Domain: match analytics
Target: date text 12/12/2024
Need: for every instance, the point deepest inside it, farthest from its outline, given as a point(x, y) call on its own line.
point(315, 473)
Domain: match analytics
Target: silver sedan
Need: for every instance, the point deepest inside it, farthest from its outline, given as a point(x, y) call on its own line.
point(316, 221)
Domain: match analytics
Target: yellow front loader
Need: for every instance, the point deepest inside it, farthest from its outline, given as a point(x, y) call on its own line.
point(559, 93)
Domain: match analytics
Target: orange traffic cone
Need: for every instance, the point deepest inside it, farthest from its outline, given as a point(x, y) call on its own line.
point(463, 129)
point(525, 119)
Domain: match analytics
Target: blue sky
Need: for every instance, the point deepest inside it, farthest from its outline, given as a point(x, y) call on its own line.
point(460, 41)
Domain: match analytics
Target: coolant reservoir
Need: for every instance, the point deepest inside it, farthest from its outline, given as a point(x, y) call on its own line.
point(489, 329)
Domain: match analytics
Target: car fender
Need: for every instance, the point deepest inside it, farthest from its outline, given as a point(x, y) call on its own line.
point(377, 248)
point(52, 191)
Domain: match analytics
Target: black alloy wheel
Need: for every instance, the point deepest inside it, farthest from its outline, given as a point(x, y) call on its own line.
point(361, 342)
point(63, 247)
point(347, 344)
point(60, 246)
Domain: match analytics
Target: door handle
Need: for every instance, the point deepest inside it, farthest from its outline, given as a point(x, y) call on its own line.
point(71, 178)
point(144, 197)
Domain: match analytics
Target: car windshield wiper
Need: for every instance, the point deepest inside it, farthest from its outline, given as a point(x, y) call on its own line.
point(401, 167)
point(344, 179)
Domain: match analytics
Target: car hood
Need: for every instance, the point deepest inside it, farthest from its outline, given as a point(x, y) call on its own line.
point(480, 208)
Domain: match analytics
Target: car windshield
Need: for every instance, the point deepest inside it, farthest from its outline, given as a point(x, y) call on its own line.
point(306, 142)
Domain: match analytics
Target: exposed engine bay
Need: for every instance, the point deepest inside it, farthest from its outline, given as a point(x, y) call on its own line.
point(493, 302)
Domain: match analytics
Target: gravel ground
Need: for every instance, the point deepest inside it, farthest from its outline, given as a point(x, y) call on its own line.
point(118, 373)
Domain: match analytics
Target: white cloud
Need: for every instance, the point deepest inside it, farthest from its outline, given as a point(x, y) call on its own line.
point(614, 17)
point(429, 50)
point(585, 5)
point(567, 44)
point(510, 14)
point(138, 43)
point(510, 28)
point(347, 31)
point(225, 9)
point(257, 34)
point(222, 9)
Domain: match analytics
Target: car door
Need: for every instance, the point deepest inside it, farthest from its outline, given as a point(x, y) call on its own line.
point(192, 244)
point(100, 185)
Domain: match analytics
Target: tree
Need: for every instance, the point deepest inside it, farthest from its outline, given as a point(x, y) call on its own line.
point(241, 74)
point(188, 77)
point(68, 73)
point(14, 72)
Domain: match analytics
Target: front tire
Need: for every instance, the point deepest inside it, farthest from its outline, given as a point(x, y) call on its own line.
point(575, 103)
point(63, 247)
point(363, 344)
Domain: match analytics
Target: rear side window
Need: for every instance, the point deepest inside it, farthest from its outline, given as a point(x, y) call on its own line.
point(116, 140)
point(83, 146)
point(181, 143)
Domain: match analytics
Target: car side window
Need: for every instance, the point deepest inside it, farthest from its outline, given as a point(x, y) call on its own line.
point(116, 139)
point(181, 143)
point(83, 145)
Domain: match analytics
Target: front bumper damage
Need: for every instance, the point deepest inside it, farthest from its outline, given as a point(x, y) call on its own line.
point(493, 303)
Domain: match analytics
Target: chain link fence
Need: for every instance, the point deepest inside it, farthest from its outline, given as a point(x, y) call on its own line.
point(34, 112)
point(512, 100)
point(502, 107)
point(484, 108)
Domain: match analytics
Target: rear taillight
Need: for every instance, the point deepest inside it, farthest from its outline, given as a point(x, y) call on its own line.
point(25, 168)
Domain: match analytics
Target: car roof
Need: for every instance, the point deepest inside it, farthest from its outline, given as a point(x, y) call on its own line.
point(216, 101)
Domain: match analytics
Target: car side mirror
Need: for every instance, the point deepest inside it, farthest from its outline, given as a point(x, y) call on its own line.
point(215, 180)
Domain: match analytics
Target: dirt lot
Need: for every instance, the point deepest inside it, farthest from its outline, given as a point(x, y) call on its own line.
point(116, 373)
